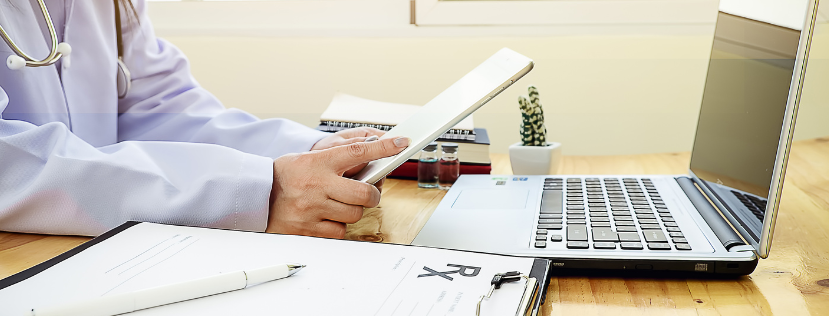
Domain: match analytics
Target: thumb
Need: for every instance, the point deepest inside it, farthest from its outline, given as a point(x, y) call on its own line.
point(342, 158)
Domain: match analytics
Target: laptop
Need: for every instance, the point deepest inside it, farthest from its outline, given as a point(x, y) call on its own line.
point(718, 219)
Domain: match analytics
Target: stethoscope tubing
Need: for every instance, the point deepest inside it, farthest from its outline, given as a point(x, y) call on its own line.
point(54, 55)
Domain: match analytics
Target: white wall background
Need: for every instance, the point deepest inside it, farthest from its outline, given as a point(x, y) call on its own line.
point(604, 92)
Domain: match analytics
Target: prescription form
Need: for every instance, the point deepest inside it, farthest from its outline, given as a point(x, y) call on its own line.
point(341, 277)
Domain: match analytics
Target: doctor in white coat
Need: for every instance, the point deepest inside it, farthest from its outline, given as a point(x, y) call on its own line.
point(75, 159)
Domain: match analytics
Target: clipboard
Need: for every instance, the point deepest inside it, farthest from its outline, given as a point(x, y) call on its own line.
point(89, 261)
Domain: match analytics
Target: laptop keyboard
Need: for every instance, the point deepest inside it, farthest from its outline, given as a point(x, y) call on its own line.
point(606, 213)
point(754, 204)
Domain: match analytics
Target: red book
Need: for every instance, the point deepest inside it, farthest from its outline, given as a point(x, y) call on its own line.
point(408, 170)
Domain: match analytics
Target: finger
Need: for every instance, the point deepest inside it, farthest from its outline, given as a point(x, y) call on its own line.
point(349, 141)
point(339, 212)
point(379, 184)
point(375, 132)
point(360, 132)
point(354, 192)
point(342, 158)
point(329, 229)
point(354, 170)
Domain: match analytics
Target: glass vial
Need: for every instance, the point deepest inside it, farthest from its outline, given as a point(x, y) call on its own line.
point(427, 167)
point(449, 166)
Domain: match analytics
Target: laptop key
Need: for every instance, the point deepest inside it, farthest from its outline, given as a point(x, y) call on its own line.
point(625, 223)
point(549, 221)
point(604, 234)
point(646, 221)
point(599, 219)
point(540, 237)
point(578, 245)
point(575, 213)
point(599, 224)
point(549, 226)
point(673, 229)
point(654, 236)
point(622, 218)
point(541, 232)
point(576, 233)
point(668, 219)
point(598, 214)
point(575, 207)
point(541, 244)
point(650, 226)
point(680, 240)
point(569, 217)
point(625, 228)
point(671, 224)
point(629, 237)
point(641, 216)
point(549, 216)
point(576, 222)
point(604, 245)
point(658, 246)
point(632, 245)
point(682, 247)
point(676, 235)
point(621, 213)
point(555, 238)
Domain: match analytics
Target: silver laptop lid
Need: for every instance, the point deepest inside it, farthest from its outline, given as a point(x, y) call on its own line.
point(749, 105)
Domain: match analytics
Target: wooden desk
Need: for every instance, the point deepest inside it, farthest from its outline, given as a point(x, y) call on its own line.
point(793, 281)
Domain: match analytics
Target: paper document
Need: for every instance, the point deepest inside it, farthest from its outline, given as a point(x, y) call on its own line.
point(341, 277)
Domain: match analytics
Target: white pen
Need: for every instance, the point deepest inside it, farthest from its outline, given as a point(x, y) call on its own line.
point(172, 293)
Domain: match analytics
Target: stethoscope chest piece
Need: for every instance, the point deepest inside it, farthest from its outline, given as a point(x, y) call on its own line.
point(124, 79)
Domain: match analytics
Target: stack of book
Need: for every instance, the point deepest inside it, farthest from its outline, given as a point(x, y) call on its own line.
point(347, 111)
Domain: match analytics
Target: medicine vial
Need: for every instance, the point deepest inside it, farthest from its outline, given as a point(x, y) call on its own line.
point(427, 167)
point(449, 166)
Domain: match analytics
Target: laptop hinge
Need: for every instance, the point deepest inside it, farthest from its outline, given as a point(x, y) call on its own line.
point(725, 233)
point(742, 248)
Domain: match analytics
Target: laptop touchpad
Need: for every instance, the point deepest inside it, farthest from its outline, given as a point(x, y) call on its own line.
point(491, 199)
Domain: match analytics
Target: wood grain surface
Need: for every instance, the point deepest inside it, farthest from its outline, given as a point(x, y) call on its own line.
point(794, 280)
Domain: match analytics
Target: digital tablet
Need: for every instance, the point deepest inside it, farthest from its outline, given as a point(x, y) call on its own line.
point(450, 107)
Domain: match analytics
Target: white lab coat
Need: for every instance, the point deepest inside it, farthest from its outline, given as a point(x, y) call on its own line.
point(74, 159)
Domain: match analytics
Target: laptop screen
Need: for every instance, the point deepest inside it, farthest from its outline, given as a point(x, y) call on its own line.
point(744, 103)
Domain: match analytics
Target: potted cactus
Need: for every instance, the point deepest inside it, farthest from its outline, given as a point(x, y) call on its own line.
point(533, 155)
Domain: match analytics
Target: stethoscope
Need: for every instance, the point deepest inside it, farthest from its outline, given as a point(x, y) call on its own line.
point(60, 51)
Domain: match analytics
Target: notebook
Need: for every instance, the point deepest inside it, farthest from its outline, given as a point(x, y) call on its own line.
point(341, 277)
point(348, 111)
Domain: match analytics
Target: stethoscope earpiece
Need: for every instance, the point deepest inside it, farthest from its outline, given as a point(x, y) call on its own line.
point(15, 62)
point(65, 50)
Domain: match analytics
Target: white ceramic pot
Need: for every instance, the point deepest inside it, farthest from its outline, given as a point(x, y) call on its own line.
point(535, 160)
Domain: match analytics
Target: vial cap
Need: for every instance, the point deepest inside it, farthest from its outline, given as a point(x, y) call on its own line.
point(431, 147)
point(449, 147)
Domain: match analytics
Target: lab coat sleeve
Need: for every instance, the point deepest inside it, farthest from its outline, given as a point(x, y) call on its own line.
point(166, 103)
point(53, 182)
